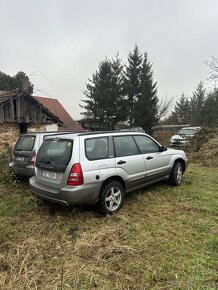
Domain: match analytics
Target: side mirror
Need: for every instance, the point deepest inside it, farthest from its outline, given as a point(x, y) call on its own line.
point(163, 148)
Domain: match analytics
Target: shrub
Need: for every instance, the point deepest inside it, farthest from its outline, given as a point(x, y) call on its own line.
point(202, 137)
point(203, 147)
point(6, 175)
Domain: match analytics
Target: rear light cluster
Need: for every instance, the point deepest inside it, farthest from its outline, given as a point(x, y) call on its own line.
point(76, 175)
point(33, 158)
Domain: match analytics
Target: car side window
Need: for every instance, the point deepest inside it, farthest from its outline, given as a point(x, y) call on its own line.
point(146, 145)
point(96, 148)
point(125, 146)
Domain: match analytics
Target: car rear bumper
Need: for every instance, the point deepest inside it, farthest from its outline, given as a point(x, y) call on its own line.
point(27, 172)
point(68, 195)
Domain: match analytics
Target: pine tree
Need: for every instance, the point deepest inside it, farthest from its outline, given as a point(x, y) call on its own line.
point(8, 83)
point(210, 109)
point(18, 82)
point(146, 108)
point(197, 103)
point(104, 95)
point(132, 82)
point(182, 109)
point(113, 95)
point(118, 103)
point(97, 93)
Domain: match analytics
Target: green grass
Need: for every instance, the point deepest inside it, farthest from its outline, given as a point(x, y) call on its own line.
point(163, 238)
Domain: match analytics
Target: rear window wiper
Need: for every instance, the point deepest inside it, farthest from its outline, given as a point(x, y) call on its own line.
point(18, 149)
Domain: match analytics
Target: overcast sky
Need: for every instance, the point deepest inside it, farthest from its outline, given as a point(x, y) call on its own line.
point(65, 41)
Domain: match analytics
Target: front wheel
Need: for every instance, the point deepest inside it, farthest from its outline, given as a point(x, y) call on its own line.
point(112, 197)
point(176, 174)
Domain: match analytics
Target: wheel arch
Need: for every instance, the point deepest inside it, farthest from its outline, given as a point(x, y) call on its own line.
point(113, 178)
point(182, 162)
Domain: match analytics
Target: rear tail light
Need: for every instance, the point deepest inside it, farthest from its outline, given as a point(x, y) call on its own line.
point(76, 175)
point(33, 158)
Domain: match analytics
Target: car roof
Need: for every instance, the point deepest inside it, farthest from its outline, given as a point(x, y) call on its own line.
point(192, 128)
point(47, 133)
point(96, 133)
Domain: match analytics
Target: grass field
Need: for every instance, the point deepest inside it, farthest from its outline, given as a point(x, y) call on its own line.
point(163, 238)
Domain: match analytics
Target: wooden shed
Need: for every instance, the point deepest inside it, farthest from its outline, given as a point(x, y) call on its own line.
point(24, 109)
point(19, 113)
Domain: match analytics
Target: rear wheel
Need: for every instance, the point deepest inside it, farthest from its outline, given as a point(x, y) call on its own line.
point(176, 174)
point(112, 197)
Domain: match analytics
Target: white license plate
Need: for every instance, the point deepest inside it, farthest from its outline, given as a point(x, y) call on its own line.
point(19, 158)
point(49, 174)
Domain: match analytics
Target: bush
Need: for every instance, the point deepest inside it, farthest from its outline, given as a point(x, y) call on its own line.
point(202, 137)
point(6, 175)
point(203, 147)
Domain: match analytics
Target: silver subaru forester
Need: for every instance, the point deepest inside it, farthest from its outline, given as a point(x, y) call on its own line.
point(25, 152)
point(100, 167)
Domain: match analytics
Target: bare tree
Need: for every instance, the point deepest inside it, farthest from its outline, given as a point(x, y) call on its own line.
point(165, 105)
point(213, 65)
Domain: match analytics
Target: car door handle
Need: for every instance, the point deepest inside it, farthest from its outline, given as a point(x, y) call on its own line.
point(149, 157)
point(121, 162)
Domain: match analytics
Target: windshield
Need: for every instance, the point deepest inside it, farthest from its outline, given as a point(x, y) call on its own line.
point(25, 143)
point(55, 152)
point(187, 132)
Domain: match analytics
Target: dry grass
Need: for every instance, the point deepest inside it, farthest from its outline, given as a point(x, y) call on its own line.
point(208, 153)
point(163, 238)
point(202, 149)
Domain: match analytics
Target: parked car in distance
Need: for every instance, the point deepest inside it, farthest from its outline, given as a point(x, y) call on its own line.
point(183, 136)
point(25, 152)
point(101, 167)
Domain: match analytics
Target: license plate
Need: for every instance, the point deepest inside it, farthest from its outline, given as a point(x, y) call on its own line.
point(19, 158)
point(49, 174)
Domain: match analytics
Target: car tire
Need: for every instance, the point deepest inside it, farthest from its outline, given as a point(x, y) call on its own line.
point(176, 174)
point(111, 197)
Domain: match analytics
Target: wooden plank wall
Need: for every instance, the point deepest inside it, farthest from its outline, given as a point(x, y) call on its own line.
point(23, 109)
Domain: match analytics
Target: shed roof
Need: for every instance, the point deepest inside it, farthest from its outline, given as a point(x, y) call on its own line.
point(4, 96)
point(58, 110)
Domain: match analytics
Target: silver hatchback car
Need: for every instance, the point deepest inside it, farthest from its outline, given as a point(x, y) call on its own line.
point(25, 152)
point(100, 167)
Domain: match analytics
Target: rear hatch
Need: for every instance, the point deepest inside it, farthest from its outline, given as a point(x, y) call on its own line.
point(52, 160)
point(23, 151)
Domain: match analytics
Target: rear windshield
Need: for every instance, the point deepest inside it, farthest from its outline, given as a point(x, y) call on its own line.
point(25, 143)
point(55, 153)
point(187, 132)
